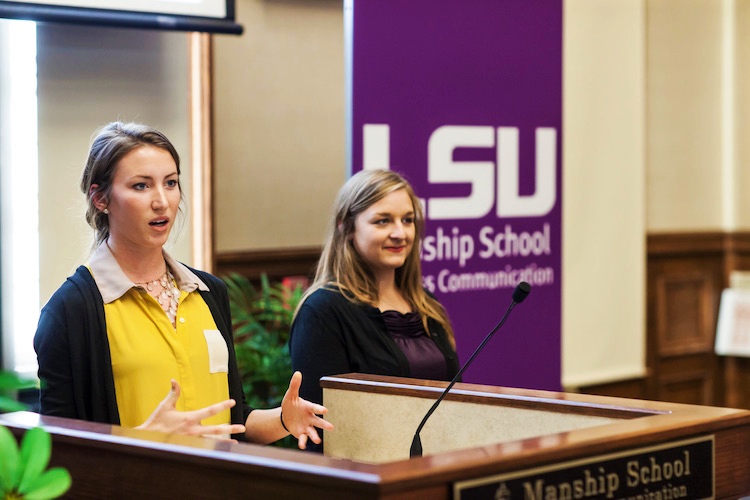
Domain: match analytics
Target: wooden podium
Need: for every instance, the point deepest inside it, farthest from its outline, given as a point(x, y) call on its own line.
point(482, 442)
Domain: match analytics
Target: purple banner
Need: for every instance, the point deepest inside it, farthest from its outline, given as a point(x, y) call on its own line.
point(464, 98)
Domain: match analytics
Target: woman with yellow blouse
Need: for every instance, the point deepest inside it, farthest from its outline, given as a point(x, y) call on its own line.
point(133, 321)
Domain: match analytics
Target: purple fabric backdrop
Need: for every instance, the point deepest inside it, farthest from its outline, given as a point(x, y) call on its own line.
point(457, 90)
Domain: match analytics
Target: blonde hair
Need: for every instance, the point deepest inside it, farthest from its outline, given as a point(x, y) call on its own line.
point(340, 265)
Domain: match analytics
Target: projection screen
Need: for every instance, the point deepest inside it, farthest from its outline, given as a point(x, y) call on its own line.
point(215, 16)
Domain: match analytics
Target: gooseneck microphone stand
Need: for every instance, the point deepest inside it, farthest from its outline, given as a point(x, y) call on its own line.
point(519, 294)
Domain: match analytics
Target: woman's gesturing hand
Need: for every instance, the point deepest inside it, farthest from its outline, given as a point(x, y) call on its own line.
point(166, 417)
point(300, 417)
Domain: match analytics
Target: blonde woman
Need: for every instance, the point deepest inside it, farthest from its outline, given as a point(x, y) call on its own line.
point(367, 311)
point(134, 324)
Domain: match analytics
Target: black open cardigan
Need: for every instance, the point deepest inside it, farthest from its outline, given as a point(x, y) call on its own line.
point(332, 335)
point(75, 368)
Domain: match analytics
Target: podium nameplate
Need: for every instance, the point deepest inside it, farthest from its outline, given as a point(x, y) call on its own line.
point(678, 469)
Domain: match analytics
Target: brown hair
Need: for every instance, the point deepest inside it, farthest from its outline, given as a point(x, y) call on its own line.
point(340, 264)
point(114, 141)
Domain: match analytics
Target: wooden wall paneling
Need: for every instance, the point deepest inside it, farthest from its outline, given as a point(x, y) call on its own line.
point(737, 246)
point(635, 388)
point(735, 382)
point(276, 264)
point(685, 244)
point(685, 311)
point(688, 388)
point(686, 273)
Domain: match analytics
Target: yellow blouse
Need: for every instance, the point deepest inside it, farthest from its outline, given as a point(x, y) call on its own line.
point(147, 351)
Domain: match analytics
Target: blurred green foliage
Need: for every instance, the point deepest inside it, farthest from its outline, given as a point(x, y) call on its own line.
point(10, 383)
point(22, 471)
point(261, 319)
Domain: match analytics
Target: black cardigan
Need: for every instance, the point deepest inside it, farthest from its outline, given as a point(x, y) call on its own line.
point(332, 335)
point(72, 348)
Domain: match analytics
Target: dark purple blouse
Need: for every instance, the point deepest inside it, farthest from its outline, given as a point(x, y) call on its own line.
point(425, 359)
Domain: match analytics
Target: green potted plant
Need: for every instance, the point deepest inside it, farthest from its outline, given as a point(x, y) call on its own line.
point(261, 319)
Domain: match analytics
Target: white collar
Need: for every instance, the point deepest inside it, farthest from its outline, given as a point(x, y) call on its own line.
point(112, 282)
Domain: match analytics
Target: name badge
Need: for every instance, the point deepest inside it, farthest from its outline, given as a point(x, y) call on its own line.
point(218, 354)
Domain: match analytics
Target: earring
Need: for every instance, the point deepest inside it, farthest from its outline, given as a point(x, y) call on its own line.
point(105, 211)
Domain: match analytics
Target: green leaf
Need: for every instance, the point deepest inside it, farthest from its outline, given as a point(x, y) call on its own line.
point(51, 484)
point(264, 286)
point(10, 404)
point(12, 381)
point(8, 460)
point(35, 452)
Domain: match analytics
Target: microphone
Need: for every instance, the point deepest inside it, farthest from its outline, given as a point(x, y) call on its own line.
point(519, 295)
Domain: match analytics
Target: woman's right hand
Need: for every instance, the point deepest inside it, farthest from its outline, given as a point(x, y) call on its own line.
point(167, 418)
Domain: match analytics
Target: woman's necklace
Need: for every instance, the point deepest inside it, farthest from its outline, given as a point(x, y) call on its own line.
point(164, 290)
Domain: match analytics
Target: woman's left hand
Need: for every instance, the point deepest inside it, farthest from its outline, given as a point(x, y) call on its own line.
point(301, 416)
